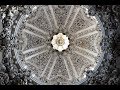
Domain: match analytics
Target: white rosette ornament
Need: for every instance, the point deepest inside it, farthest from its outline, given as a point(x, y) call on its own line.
point(60, 42)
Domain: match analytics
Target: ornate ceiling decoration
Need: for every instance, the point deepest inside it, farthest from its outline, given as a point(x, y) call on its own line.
point(57, 43)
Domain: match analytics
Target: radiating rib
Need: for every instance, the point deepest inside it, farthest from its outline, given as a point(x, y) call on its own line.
point(89, 34)
point(88, 51)
point(77, 11)
point(35, 28)
point(81, 71)
point(73, 68)
point(32, 64)
point(29, 32)
point(89, 58)
point(51, 9)
point(51, 69)
point(70, 77)
point(90, 27)
point(72, 6)
point(47, 16)
point(33, 49)
point(95, 41)
point(46, 66)
point(26, 58)
point(82, 12)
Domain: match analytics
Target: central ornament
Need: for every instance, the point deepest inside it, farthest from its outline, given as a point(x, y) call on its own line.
point(60, 42)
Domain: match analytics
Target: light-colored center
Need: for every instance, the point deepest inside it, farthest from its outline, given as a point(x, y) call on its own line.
point(60, 42)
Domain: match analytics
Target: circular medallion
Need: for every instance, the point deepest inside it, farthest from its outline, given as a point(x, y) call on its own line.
point(58, 43)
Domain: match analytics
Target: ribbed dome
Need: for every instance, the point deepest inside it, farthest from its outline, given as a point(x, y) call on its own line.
point(48, 65)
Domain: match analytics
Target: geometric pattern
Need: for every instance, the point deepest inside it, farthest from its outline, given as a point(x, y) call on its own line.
point(47, 65)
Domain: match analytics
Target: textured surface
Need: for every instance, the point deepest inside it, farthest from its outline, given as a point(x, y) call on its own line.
point(107, 73)
point(48, 65)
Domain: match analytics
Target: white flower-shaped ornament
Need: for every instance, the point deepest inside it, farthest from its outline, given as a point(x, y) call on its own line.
point(60, 42)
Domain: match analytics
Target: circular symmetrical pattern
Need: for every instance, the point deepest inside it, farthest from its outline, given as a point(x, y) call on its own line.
point(58, 43)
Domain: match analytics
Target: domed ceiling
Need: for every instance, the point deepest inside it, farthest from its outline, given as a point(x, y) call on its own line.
point(57, 43)
point(47, 64)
